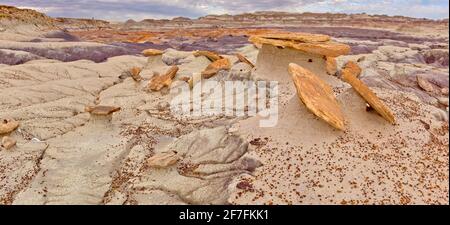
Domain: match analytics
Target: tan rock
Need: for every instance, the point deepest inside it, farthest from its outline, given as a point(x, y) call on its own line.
point(243, 59)
point(208, 54)
point(331, 65)
point(101, 110)
point(424, 84)
point(349, 76)
point(352, 68)
point(301, 37)
point(8, 142)
point(152, 52)
point(332, 49)
point(135, 73)
point(8, 126)
point(444, 91)
point(162, 160)
point(157, 82)
point(216, 66)
point(317, 96)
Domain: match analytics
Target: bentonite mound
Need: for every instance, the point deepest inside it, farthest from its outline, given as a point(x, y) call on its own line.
point(63, 157)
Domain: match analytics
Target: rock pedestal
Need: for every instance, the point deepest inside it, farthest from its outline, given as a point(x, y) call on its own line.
point(272, 63)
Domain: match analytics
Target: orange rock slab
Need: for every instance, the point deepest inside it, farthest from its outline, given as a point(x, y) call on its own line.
point(216, 66)
point(301, 37)
point(331, 49)
point(135, 73)
point(243, 59)
point(317, 96)
point(349, 75)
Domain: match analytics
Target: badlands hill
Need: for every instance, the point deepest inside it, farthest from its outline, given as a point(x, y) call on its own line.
point(25, 16)
point(283, 19)
point(11, 16)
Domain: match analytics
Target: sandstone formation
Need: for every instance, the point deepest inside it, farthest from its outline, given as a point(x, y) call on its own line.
point(160, 81)
point(208, 54)
point(153, 153)
point(216, 66)
point(330, 49)
point(164, 159)
point(350, 76)
point(135, 74)
point(317, 96)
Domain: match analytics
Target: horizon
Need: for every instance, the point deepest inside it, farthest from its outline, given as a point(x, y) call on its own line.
point(115, 10)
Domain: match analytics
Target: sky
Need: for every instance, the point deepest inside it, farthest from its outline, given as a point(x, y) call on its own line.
point(121, 10)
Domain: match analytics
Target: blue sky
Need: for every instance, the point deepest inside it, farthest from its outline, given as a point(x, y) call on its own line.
point(120, 10)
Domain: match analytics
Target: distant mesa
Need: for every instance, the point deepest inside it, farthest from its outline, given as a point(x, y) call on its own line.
point(256, 19)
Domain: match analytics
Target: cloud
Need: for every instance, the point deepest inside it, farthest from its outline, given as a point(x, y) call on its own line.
point(140, 9)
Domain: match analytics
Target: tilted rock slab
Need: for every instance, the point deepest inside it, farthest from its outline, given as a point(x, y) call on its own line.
point(163, 159)
point(208, 54)
point(349, 76)
point(158, 82)
point(317, 96)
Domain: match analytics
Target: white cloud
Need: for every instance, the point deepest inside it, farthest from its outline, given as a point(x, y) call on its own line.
point(139, 9)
